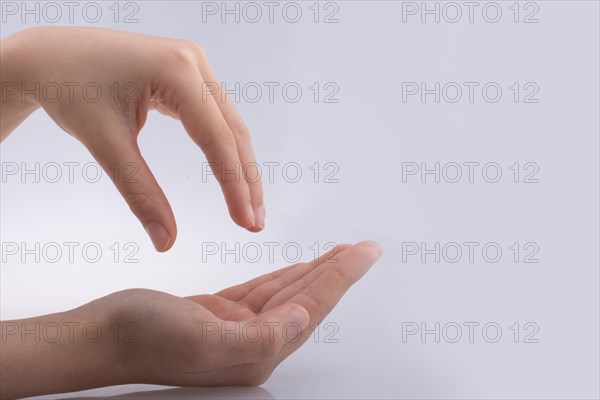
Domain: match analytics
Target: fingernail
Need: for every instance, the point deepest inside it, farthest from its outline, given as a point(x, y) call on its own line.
point(299, 316)
point(159, 235)
point(259, 214)
point(251, 214)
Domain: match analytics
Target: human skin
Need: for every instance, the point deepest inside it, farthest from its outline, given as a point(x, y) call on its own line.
point(169, 340)
point(49, 67)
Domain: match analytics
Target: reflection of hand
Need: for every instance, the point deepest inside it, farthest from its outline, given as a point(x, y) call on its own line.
point(234, 337)
point(99, 84)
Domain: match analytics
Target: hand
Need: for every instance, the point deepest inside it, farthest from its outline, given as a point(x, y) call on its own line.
point(239, 335)
point(234, 337)
point(99, 84)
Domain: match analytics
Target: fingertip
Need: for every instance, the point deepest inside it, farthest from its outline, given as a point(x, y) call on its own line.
point(243, 216)
point(160, 236)
point(259, 219)
point(373, 245)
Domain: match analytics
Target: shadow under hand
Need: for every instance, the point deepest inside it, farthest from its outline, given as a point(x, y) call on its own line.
point(229, 392)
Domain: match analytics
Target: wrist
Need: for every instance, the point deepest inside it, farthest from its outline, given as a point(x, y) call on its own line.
point(106, 339)
point(21, 92)
point(57, 353)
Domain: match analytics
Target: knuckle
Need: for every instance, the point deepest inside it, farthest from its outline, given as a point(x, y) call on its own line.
point(241, 132)
point(339, 275)
point(198, 50)
point(182, 54)
point(223, 137)
point(226, 135)
point(138, 202)
point(189, 50)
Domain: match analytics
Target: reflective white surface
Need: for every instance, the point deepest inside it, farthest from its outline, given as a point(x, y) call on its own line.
point(367, 134)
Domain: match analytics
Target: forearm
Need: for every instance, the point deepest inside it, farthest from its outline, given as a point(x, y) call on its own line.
point(56, 353)
point(19, 95)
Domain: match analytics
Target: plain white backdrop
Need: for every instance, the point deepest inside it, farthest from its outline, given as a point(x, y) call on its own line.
point(365, 134)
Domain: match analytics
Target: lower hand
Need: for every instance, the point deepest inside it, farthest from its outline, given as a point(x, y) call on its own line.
point(234, 337)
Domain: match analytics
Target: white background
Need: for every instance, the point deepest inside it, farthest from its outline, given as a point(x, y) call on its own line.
point(368, 134)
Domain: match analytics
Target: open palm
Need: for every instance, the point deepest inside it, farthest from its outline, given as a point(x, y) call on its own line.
point(238, 335)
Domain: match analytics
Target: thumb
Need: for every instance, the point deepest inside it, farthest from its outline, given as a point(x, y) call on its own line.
point(259, 340)
point(122, 161)
point(283, 324)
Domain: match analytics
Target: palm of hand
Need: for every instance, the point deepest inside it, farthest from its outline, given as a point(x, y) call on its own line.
point(239, 335)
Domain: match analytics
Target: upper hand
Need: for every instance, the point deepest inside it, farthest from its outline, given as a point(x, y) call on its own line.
point(137, 73)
